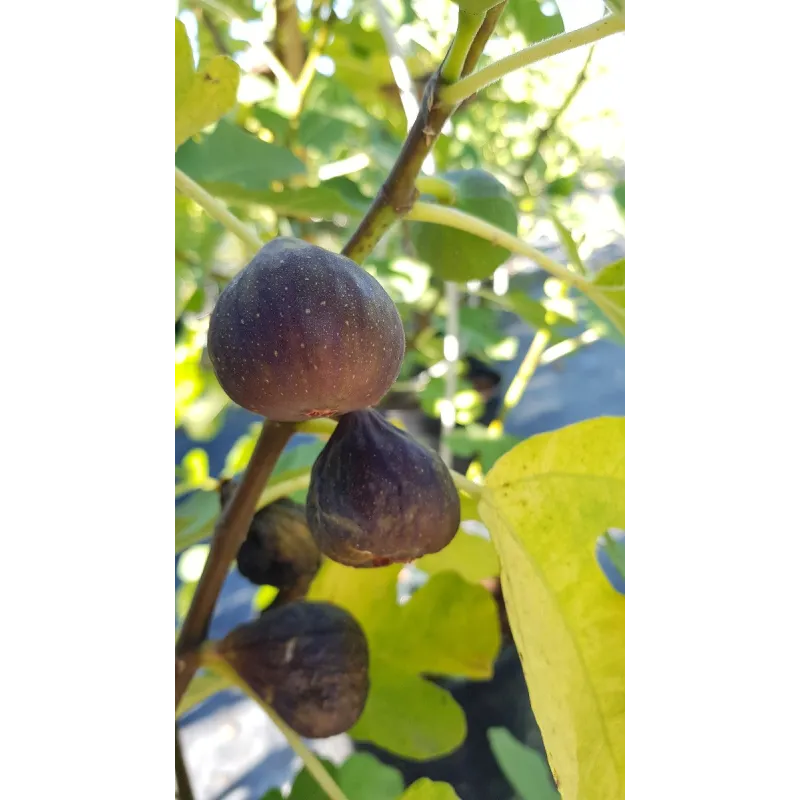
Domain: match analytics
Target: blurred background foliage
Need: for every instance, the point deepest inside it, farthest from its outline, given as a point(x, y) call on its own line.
point(306, 163)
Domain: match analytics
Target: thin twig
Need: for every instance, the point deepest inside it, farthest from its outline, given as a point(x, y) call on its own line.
point(215, 209)
point(549, 126)
point(229, 533)
point(397, 62)
point(398, 193)
point(215, 32)
point(289, 40)
point(524, 374)
point(451, 217)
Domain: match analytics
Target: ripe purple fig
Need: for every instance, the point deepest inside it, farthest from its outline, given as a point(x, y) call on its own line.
point(279, 551)
point(302, 332)
point(309, 661)
point(378, 497)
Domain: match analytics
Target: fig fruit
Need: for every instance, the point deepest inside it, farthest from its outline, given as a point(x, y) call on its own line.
point(459, 256)
point(378, 497)
point(302, 332)
point(279, 551)
point(309, 661)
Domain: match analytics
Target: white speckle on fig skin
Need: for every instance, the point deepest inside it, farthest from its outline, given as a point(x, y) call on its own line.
point(321, 364)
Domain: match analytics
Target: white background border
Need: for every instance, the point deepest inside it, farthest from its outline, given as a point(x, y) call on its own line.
point(712, 424)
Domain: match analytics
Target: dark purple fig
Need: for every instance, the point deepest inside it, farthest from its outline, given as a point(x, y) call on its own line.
point(302, 332)
point(309, 661)
point(279, 551)
point(378, 497)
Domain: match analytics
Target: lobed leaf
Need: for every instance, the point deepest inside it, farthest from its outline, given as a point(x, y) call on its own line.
point(448, 627)
point(545, 503)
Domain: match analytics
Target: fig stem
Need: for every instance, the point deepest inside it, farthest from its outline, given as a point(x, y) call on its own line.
point(459, 91)
point(468, 27)
point(452, 218)
point(484, 32)
point(216, 210)
point(213, 661)
point(229, 533)
point(464, 484)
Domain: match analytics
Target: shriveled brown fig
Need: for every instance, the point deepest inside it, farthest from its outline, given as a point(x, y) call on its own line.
point(309, 661)
point(302, 332)
point(377, 496)
point(279, 551)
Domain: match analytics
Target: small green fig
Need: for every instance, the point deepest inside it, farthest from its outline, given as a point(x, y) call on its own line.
point(309, 661)
point(302, 332)
point(378, 497)
point(456, 255)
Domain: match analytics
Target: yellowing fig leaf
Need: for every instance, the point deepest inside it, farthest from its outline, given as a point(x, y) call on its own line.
point(546, 501)
point(470, 555)
point(448, 627)
point(200, 97)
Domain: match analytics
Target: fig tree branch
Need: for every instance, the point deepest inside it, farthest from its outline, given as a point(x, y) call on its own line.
point(182, 780)
point(462, 89)
point(229, 533)
point(216, 210)
point(398, 193)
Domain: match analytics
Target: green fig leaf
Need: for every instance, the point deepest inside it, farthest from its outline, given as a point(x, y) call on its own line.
point(545, 503)
point(448, 627)
point(361, 777)
point(194, 518)
point(532, 22)
point(411, 717)
point(364, 777)
point(610, 322)
point(305, 786)
point(426, 789)
point(524, 768)
point(232, 156)
point(201, 97)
